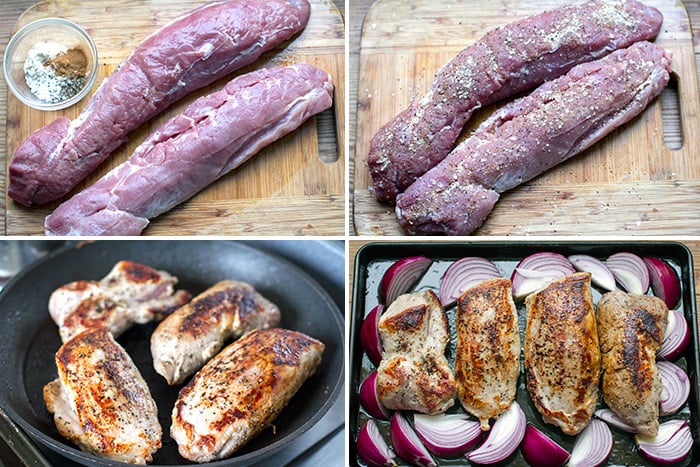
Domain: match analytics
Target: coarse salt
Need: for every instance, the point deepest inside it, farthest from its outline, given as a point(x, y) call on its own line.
point(42, 79)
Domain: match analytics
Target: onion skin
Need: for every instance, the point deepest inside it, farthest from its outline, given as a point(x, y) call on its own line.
point(676, 337)
point(463, 274)
point(593, 445)
point(675, 387)
point(369, 334)
point(369, 399)
point(600, 273)
point(407, 444)
point(539, 450)
point(672, 443)
point(536, 270)
point(401, 276)
point(664, 281)
point(372, 448)
point(447, 435)
point(630, 271)
point(503, 439)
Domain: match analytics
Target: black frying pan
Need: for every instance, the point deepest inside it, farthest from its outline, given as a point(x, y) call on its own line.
point(29, 338)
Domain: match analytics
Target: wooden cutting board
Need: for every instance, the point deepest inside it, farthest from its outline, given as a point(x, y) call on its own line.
point(630, 183)
point(293, 187)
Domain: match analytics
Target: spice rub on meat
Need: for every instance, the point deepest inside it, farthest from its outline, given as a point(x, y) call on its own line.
point(194, 333)
point(414, 373)
point(631, 328)
point(562, 353)
point(530, 135)
point(507, 60)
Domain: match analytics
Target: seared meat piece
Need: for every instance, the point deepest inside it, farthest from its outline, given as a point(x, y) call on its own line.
point(241, 391)
point(101, 402)
point(414, 373)
point(507, 60)
point(530, 135)
point(186, 339)
point(631, 328)
point(562, 356)
point(131, 293)
point(487, 361)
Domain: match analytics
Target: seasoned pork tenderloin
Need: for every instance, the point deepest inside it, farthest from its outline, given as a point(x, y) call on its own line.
point(186, 54)
point(184, 341)
point(487, 360)
point(562, 353)
point(557, 121)
point(631, 328)
point(213, 136)
point(131, 293)
point(241, 391)
point(507, 60)
point(100, 400)
point(414, 373)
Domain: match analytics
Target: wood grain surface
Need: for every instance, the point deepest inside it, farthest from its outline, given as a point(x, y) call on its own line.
point(293, 187)
point(629, 184)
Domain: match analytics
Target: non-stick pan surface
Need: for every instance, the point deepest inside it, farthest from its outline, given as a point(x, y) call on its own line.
point(29, 338)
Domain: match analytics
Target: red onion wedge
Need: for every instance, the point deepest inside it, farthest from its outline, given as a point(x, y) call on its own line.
point(664, 281)
point(369, 334)
point(675, 387)
point(447, 435)
point(600, 274)
point(630, 271)
point(611, 418)
point(593, 445)
point(671, 444)
point(408, 445)
point(401, 276)
point(503, 439)
point(537, 270)
point(463, 274)
point(539, 450)
point(369, 399)
point(676, 336)
point(372, 448)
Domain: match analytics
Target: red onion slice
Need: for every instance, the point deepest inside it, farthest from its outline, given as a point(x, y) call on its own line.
point(372, 448)
point(369, 398)
point(664, 281)
point(369, 334)
point(401, 276)
point(503, 439)
point(593, 445)
point(447, 435)
point(463, 274)
point(630, 271)
point(671, 444)
point(600, 274)
point(675, 387)
point(540, 450)
point(611, 418)
point(537, 270)
point(406, 442)
point(676, 336)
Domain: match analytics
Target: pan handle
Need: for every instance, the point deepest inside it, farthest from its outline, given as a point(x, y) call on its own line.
point(20, 443)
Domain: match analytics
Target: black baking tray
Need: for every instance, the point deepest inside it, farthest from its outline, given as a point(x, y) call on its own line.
point(373, 259)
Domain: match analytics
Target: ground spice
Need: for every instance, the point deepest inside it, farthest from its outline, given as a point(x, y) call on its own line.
point(53, 72)
point(71, 64)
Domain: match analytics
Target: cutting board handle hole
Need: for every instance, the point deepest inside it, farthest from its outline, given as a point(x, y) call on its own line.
point(327, 136)
point(671, 115)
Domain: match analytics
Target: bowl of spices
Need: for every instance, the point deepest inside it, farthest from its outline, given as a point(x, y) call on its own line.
point(50, 64)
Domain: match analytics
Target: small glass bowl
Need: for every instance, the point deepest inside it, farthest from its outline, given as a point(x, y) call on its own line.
point(48, 29)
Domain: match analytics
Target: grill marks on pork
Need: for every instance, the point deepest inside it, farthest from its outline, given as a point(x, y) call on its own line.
point(131, 293)
point(560, 119)
point(241, 391)
point(631, 329)
point(213, 136)
point(194, 333)
point(414, 373)
point(507, 60)
point(188, 53)
point(100, 400)
point(487, 360)
point(562, 353)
